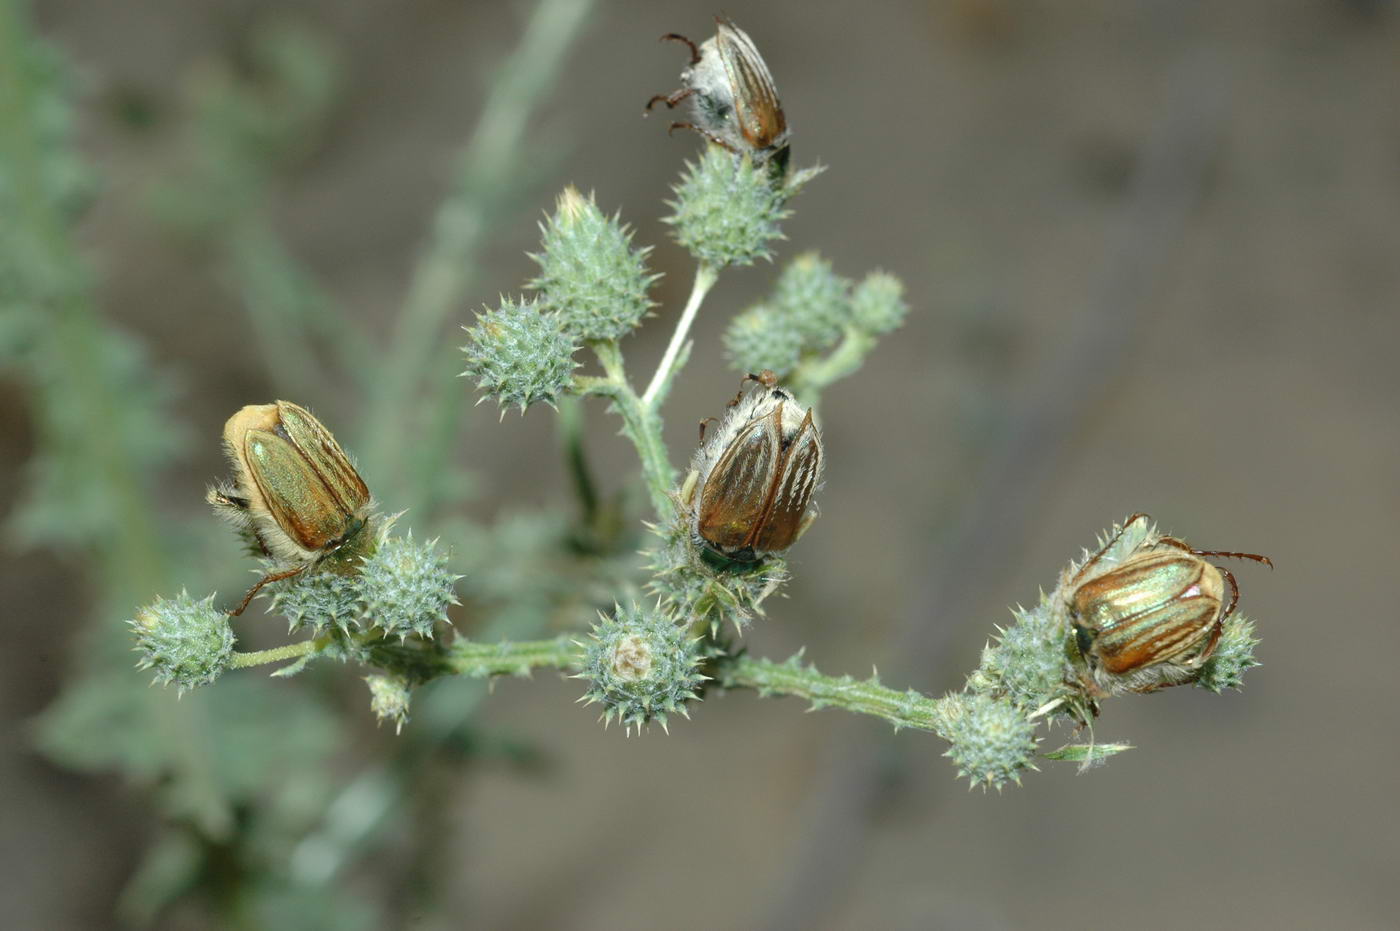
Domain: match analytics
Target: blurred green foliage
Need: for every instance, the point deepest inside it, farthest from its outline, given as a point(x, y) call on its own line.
point(248, 814)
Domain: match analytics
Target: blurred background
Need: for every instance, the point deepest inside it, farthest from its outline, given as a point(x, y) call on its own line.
point(1153, 259)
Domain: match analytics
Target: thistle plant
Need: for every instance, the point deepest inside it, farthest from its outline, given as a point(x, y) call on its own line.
point(650, 659)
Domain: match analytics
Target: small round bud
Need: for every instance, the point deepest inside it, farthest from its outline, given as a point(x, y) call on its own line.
point(991, 740)
point(319, 601)
point(389, 699)
point(1233, 655)
point(589, 273)
point(727, 210)
point(877, 303)
point(519, 355)
point(641, 666)
point(814, 299)
point(1026, 661)
point(406, 588)
point(760, 339)
point(187, 642)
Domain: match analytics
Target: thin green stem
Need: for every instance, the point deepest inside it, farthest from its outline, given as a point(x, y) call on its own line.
point(571, 433)
point(278, 654)
point(641, 424)
point(902, 709)
point(705, 277)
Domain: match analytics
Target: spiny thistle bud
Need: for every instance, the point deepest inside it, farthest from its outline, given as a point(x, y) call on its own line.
point(406, 587)
point(727, 210)
point(703, 592)
point(1026, 662)
point(319, 601)
point(1233, 655)
point(641, 666)
point(991, 740)
point(877, 303)
point(389, 699)
point(187, 642)
point(589, 273)
point(519, 355)
point(760, 339)
point(814, 299)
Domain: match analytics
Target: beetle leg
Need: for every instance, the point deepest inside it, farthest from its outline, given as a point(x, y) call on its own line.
point(704, 132)
point(272, 577)
point(706, 422)
point(669, 101)
point(676, 37)
point(1234, 592)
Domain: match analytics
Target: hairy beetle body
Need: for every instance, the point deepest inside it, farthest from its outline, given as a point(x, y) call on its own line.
point(753, 479)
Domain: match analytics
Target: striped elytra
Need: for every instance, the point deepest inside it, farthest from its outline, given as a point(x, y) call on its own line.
point(295, 493)
point(733, 101)
point(1148, 610)
point(755, 476)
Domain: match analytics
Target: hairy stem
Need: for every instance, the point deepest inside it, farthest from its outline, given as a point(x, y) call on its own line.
point(811, 378)
point(641, 424)
point(902, 709)
point(511, 658)
point(278, 654)
point(705, 277)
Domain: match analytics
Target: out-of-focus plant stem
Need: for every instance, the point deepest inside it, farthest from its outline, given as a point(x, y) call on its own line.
point(463, 221)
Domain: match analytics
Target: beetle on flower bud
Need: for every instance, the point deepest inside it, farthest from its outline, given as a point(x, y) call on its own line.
point(733, 101)
point(751, 483)
point(1146, 610)
point(295, 494)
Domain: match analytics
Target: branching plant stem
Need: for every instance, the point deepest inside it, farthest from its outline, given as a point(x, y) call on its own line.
point(671, 362)
point(640, 423)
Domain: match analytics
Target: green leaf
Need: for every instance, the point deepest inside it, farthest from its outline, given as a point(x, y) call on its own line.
point(1089, 754)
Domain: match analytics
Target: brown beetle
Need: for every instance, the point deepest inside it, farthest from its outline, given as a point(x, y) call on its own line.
point(734, 103)
point(296, 494)
point(751, 482)
point(1147, 610)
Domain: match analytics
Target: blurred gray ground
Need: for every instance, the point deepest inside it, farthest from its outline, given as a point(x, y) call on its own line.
point(982, 150)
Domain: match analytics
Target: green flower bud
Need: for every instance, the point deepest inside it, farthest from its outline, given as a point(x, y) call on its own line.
point(1026, 661)
point(991, 740)
point(761, 339)
point(1233, 655)
point(727, 210)
point(389, 699)
point(877, 304)
point(641, 666)
point(319, 601)
point(406, 588)
point(187, 642)
point(589, 272)
point(814, 299)
point(519, 355)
